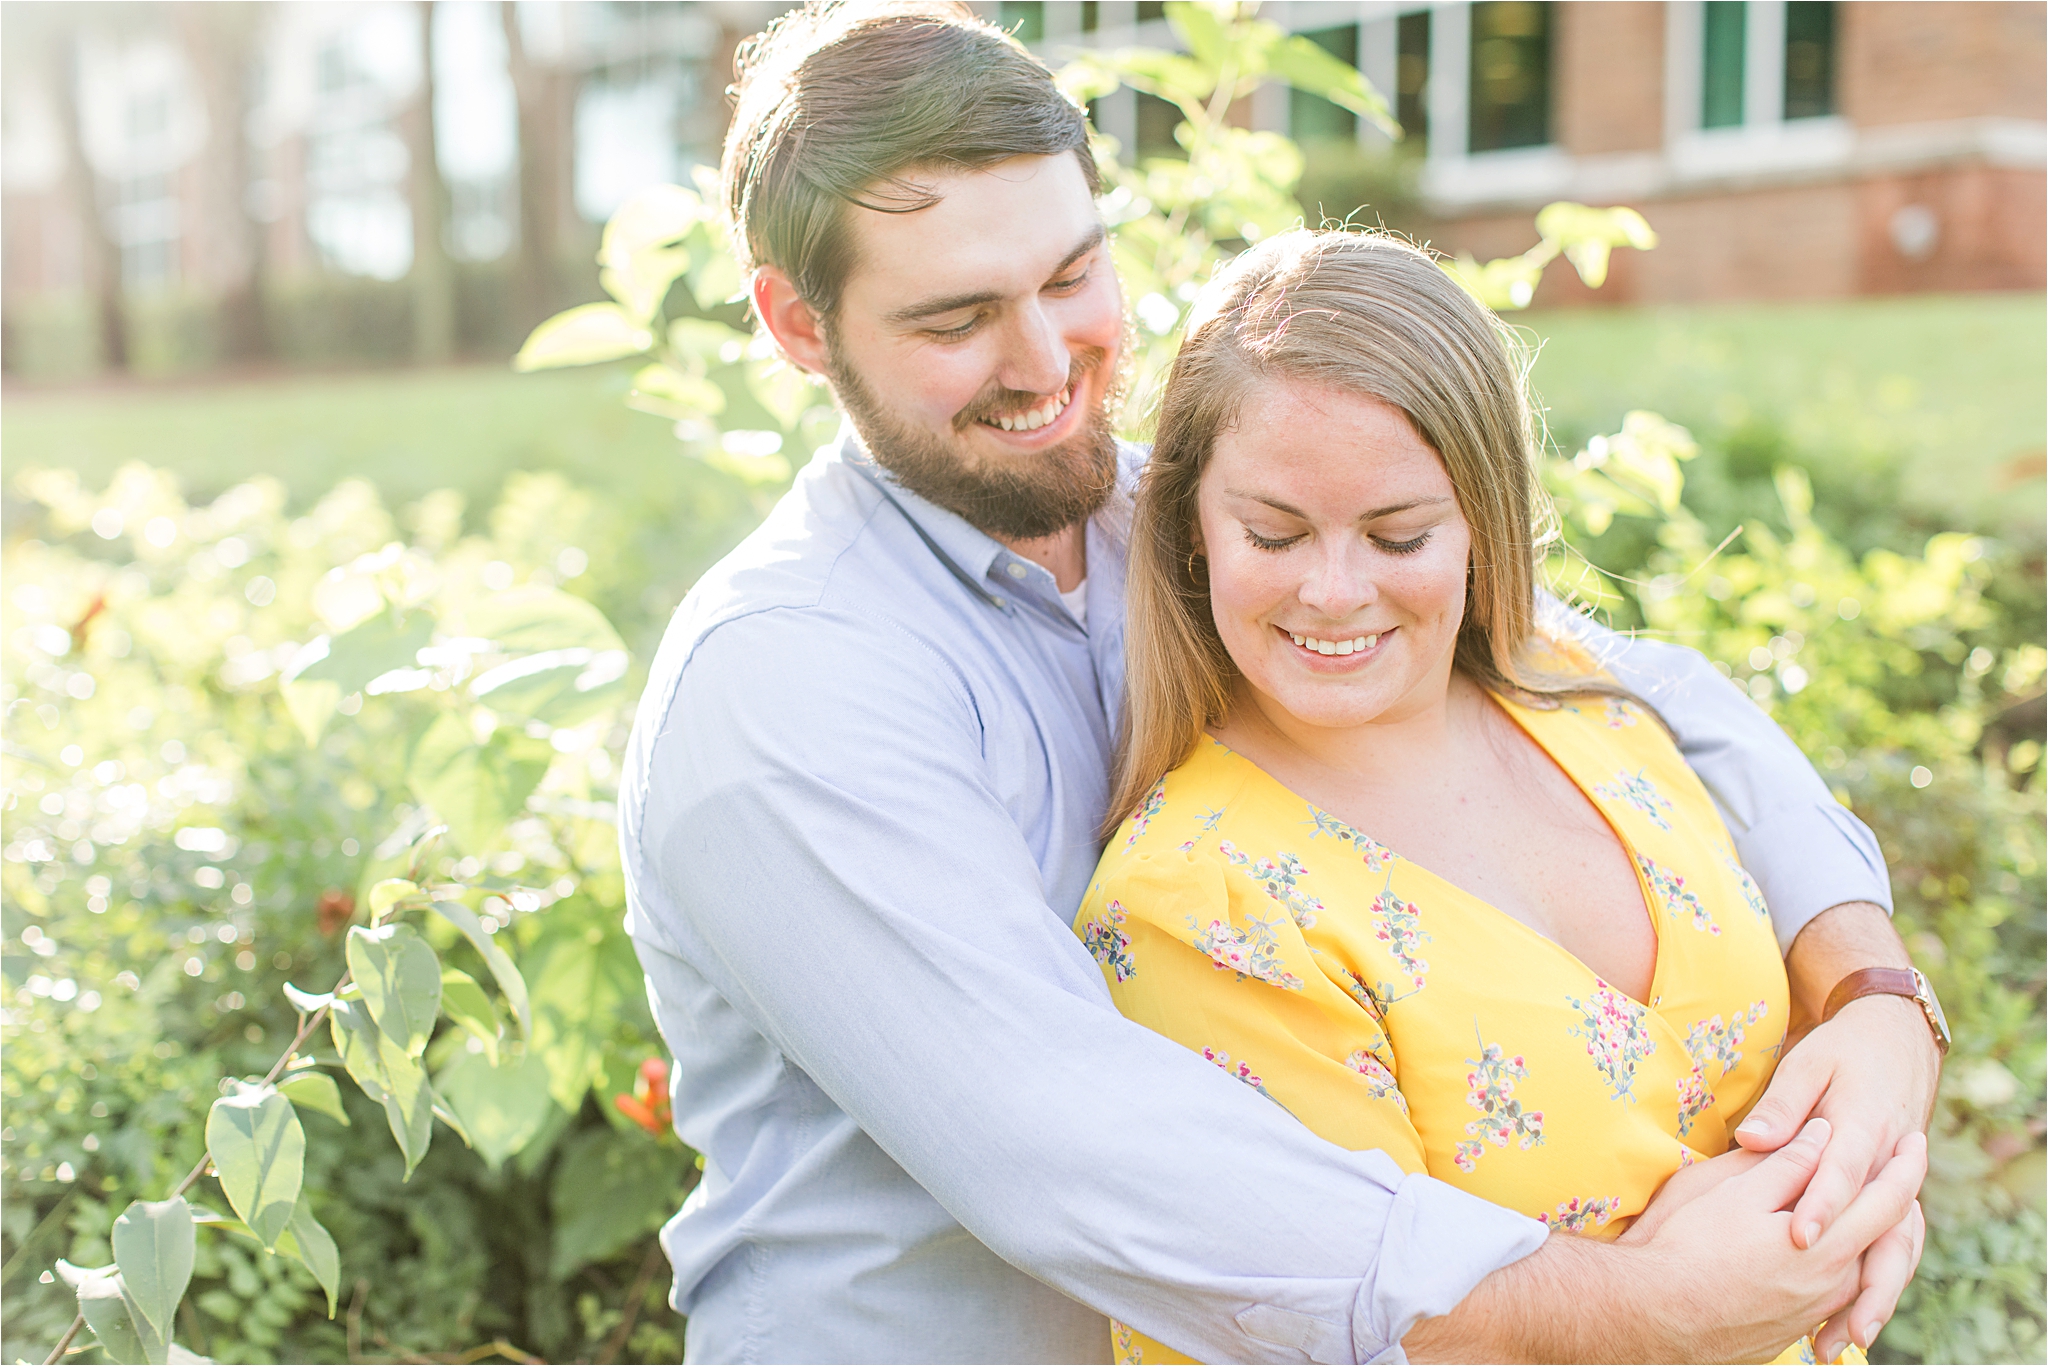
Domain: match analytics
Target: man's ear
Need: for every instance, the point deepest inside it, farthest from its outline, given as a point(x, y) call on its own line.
point(789, 319)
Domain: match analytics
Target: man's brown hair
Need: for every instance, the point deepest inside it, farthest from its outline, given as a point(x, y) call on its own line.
point(836, 101)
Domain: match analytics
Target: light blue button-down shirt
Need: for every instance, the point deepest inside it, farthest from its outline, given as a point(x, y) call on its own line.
point(858, 814)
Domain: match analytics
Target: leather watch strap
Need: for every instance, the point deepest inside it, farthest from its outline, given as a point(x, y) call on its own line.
point(1869, 982)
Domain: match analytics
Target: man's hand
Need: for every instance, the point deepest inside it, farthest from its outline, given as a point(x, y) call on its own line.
point(1870, 1072)
point(1730, 1237)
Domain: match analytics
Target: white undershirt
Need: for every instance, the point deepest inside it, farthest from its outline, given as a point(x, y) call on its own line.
point(1077, 602)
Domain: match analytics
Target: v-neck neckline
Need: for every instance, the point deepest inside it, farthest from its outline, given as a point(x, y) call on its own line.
point(1643, 888)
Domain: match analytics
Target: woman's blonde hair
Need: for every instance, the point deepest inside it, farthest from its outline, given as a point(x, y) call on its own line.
point(1363, 313)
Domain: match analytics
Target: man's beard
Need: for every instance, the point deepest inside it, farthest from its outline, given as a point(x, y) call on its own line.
point(1029, 497)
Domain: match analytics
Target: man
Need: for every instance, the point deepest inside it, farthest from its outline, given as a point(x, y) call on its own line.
point(860, 808)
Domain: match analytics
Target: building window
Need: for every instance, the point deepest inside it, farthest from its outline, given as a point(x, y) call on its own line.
point(1809, 59)
point(1311, 118)
point(1509, 90)
point(1721, 42)
point(1411, 78)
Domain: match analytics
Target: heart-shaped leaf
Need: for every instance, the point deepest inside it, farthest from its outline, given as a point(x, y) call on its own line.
point(502, 1106)
point(259, 1152)
point(401, 982)
point(106, 1311)
point(477, 789)
point(153, 1246)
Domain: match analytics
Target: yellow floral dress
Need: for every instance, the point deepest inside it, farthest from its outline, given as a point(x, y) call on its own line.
point(1386, 1008)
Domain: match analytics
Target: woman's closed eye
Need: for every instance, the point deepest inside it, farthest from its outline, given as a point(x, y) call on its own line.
point(1407, 547)
point(1259, 542)
point(1392, 547)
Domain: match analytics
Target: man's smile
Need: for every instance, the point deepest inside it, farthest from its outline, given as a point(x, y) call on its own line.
point(1031, 419)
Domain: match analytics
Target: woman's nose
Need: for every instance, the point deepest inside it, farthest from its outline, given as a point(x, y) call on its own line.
point(1037, 361)
point(1341, 582)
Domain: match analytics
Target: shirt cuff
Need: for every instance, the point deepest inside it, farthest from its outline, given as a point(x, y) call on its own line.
point(1439, 1242)
point(1810, 857)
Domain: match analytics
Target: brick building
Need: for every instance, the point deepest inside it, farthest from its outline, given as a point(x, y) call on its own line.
point(1781, 150)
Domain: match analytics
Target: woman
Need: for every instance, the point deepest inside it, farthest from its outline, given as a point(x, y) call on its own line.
point(1391, 853)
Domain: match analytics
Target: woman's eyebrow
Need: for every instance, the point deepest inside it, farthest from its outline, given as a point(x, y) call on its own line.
point(948, 303)
point(1292, 511)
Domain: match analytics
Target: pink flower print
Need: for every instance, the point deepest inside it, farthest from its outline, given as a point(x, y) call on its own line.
point(1379, 1078)
point(1620, 712)
point(1617, 1035)
point(1362, 992)
point(1752, 895)
point(1242, 1071)
point(1491, 1091)
point(1280, 876)
point(1128, 1352)
point(1254, 953)
point(1106, 940)
point(1576, 1215)
point(1155, 800)
point(1398, 925)
point(1670, 890)
point(1377, 855)
point(1693, 1098)
point(1639, 792)
point(1209, 819)
point(1710, 1040)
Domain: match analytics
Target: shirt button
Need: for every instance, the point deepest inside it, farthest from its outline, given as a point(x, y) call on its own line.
point(1017, 571)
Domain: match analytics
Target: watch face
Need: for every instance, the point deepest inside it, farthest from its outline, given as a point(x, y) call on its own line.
point(1931, 1004)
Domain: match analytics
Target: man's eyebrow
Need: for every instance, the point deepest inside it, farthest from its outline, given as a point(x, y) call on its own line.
point(949, 303)
point(1374, 514)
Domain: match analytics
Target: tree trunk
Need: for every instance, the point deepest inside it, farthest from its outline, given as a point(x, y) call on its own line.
point(221, 41)
point(99, 253)
point(543, 177)
point(433, 275)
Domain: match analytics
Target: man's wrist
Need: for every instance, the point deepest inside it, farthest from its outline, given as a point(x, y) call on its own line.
point(1835, 943)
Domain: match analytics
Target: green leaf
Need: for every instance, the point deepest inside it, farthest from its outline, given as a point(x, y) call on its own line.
point(642, 283)
point(357, 656)
point(305, 1239)
point(1313, 70)
point(587, 975)
point(503, 1105)
point(153, 1246)
point(533, 618)
point(668, 392)
point(476, 789)
point(502, 968)
point(310, 705)
point(122, 1337)
point(707, 340)
point(444, 1113)
point(468, 1006)
point(558, 687)
point(312, 1089)
point(584, 335)
point(401, 981)
point(387, 1076)
point(259, 1153)
point(389, 893)
point(610, 1188)
point(654, 217)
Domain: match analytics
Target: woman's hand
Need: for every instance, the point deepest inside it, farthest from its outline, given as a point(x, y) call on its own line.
point(1887, 1266)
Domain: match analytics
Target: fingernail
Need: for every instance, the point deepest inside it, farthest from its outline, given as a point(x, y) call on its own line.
point(1754, 1127)
point(1815, 1128)
point(1808, 1232)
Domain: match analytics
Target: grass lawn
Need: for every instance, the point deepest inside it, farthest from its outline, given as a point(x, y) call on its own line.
point(1951, 388)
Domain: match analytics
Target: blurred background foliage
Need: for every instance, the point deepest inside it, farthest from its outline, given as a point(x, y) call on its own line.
point(177, 848)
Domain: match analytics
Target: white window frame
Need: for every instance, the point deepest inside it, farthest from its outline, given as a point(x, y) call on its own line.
point(1453, 173)
point(1765, 141)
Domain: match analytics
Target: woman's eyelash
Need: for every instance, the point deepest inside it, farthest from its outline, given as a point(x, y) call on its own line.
point(1266, 543)
point(1408, 547)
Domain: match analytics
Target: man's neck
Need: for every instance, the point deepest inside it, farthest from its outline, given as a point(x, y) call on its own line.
point(1064, 554)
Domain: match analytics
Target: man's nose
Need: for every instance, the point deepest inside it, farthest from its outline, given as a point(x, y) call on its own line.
point(1036, 360)
point(1340, 582)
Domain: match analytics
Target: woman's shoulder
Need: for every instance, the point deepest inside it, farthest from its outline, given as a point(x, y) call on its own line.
point(1183, 808)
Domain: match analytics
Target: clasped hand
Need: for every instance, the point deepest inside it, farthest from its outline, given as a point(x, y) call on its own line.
point(1831, 1220)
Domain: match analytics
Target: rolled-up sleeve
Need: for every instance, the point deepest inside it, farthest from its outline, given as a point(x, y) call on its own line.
point(822, 841)
point(1806, 850)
